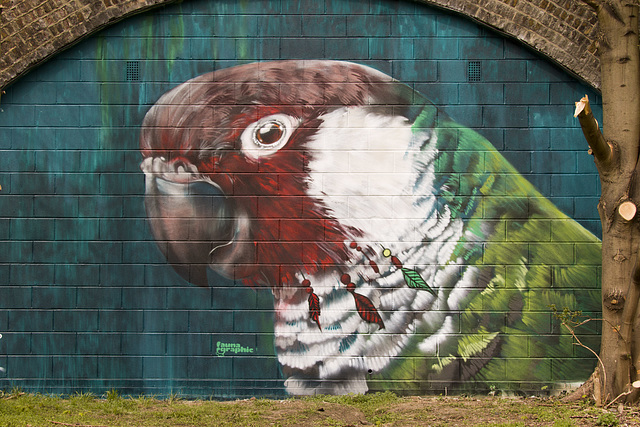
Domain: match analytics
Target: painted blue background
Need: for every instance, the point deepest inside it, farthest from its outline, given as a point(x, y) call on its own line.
point(86, 298)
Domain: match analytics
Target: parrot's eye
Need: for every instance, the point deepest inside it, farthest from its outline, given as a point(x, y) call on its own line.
point(268, 135)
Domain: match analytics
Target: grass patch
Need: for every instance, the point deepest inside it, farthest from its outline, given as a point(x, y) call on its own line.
point(112, 409)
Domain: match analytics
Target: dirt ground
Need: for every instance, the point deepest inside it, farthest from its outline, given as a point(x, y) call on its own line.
point(450, 411)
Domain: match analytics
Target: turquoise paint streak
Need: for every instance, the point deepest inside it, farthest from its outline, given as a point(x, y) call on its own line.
point(156, 43)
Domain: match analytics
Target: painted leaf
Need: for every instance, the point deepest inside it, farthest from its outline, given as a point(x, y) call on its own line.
point(367, 310)
point(415, 280)
point(314, 309)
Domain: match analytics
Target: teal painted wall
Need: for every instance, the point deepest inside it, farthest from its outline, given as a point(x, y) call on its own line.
point(87, 300)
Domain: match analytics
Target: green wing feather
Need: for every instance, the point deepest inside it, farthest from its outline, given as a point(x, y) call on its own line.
point(530, 254)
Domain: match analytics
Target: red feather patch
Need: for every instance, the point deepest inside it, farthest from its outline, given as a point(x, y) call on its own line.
point(314, 309)
point(367, 310)
point(374, 266)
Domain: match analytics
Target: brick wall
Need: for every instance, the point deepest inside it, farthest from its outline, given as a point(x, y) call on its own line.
point(89, 302)
point(33, 30)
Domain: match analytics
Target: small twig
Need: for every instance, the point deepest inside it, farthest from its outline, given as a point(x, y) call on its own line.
point(578, 342)
point(14, 396)
point(616, 329)
point(626, 393)
point(604, 374)
point(75, 425)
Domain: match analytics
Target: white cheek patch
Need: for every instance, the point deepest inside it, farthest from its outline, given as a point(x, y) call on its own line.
point(362, 156)
point(353, 140)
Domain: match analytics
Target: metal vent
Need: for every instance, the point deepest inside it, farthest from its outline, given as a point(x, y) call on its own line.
point(474, 71)
point(133, 71)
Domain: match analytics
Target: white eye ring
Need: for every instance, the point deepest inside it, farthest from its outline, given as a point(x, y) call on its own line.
point(267, 135)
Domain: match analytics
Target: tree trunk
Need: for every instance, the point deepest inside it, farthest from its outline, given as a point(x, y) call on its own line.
point(616, 157)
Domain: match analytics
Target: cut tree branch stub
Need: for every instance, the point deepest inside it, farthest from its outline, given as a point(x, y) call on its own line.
point(600, 148)
point(627, 210)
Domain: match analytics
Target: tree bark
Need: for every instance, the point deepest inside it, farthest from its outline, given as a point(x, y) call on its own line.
point(616, 157)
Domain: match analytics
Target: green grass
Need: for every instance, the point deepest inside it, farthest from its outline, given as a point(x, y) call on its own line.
point(383, 409)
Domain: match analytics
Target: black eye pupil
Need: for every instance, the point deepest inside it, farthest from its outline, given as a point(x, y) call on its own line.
point(269, 133)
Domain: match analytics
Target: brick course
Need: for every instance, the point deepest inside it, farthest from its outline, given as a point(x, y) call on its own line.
point(33, 30)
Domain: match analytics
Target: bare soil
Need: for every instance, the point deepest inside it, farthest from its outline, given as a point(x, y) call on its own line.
point(450, 411)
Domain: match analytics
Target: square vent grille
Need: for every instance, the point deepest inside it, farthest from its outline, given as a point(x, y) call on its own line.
point(474, 71)
point(133, 71)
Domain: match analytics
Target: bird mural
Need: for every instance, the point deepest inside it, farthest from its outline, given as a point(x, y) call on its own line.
point(402, 250)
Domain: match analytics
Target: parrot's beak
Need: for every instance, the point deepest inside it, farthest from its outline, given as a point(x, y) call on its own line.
point(194, 224)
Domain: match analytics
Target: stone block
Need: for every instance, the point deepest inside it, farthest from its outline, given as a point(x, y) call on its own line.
point(75, 321)
point(482, 93)
point(348, 49)
point(121, 321)
point(419, 25)
point(388, 47)
point(301, 48)
point(369, 25)
point(99, 297)
point(436, 48)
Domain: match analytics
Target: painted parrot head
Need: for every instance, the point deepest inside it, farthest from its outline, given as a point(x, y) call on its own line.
point(228, 158)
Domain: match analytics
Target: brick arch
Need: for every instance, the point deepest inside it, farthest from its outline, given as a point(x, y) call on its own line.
point(33, 30)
